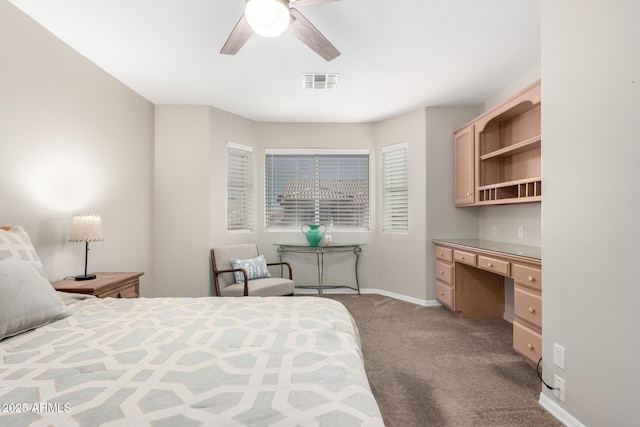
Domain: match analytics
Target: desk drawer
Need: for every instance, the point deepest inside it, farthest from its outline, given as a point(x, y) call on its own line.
point(527, 342)
point(528, 276)
point(444, 272)
point(445, 254)
point(444, 294)
point(495, 265)
point(465, 257)
point(527, 306)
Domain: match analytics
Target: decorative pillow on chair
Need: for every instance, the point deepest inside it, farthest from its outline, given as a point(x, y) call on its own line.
point(256, 268)
point(28, 299)
point(16, 243)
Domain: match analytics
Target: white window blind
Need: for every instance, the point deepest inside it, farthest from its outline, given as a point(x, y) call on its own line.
point(329, 187)
point(395, 188)
point(239, 187)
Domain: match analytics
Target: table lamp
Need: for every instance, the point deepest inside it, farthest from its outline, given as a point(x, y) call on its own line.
point(86, 228)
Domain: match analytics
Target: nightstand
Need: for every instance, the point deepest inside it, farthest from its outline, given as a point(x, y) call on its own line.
point(115, 285)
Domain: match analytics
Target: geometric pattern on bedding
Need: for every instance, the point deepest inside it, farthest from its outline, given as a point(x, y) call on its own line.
point(191, 361)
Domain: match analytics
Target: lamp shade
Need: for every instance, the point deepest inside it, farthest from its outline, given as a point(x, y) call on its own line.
point(86, 228)
point(268, 18)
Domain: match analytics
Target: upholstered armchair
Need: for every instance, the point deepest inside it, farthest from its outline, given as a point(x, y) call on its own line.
point(239, 270)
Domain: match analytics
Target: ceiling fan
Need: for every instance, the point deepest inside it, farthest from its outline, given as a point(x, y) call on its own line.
point(270, 18)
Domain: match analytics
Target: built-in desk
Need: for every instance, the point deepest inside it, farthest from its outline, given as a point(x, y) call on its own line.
point(470, 282)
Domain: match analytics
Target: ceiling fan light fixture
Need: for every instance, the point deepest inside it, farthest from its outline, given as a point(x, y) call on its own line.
point(268, 18)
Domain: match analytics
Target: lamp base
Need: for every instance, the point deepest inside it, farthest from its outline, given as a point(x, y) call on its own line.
point(86, 277)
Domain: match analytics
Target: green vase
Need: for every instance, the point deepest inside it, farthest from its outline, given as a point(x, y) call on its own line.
point(313, 234)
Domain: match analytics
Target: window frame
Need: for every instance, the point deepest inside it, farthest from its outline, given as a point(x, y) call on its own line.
point(248, 220)
point(317, 152)
point(387, 225)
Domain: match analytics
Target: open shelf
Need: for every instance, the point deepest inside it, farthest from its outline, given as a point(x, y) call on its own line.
point(518, 191)
point(519, 147)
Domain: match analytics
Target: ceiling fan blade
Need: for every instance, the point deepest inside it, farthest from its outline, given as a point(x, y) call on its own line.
point(309, 35)
point(310, 2)
point(238, 37)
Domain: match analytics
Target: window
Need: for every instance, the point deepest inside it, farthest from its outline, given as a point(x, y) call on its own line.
point(239, 187)
point(328, 187)
point(395, 189)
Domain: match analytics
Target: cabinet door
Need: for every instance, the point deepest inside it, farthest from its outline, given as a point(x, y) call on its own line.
point(463, 154)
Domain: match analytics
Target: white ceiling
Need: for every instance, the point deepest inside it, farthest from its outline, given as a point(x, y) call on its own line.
point(397, 55)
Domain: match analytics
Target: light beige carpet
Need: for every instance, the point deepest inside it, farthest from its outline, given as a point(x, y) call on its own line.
point(427, 367)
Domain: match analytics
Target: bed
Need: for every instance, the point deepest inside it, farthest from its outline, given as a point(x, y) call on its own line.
point(251, 361)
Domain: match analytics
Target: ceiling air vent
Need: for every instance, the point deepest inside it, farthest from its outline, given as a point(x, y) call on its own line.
point(319, 81)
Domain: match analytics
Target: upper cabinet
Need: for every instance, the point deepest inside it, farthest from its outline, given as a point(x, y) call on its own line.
point(464, 166)
point(506, 153)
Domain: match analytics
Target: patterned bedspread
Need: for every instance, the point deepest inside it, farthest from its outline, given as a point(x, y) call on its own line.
point(189, 361)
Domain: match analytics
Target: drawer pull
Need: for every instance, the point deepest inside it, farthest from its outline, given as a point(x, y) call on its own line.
point(489, 264)
point(441, 272)
point(531, 279)
point(461, 257)
point(531, 310)
point(441, 253)
point(441, 294)
point(530, 347)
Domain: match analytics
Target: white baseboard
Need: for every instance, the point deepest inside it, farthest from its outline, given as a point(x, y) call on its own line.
point(554, 409)
point(417, 301)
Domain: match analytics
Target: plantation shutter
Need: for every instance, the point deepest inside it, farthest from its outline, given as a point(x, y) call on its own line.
point(329, 187)
point(395, 189)
point(239, 187)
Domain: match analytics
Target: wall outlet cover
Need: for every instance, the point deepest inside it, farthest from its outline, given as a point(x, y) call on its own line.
point(558, 355)
point(559, 387)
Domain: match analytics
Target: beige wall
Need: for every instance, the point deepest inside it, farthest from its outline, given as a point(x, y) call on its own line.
point(181, 234)
point(405, 260)
point(400, 263)
point(229, 127)
point(73, 140)
point(442, 218)
point(590, 152)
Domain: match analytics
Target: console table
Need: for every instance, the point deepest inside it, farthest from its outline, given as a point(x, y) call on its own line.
point(319, 251)
point(470, 282)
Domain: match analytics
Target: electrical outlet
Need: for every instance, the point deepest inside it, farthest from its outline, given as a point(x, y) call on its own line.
point(521, 232)
point(494, 230)
point(559, 386)
point(558, 355)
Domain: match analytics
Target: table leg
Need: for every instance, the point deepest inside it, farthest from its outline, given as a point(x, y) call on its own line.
point(356, 251)
point(320, 262)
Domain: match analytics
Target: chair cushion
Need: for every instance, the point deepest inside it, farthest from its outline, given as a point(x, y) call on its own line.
point(272, 286)
point(256, 268)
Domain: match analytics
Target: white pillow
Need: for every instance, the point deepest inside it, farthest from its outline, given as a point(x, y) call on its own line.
point(16, 243)
point(27, 300)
